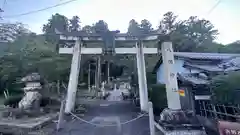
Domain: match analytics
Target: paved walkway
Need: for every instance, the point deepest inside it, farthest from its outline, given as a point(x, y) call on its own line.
point(108, 112)
point(115, 95)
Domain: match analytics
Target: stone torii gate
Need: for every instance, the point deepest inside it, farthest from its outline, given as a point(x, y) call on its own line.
point(80, 43)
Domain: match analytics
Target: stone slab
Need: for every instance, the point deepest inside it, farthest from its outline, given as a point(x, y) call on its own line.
point(27, 123)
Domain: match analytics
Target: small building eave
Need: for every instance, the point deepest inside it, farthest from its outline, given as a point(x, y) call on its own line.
point(190, 78)
point(199, 56)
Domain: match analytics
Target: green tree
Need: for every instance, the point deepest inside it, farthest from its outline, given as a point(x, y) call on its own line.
point(133, 28)
point(30, 53)
point(212, 47)
point(200, 30)
point(157, 95)
point(57, 21)
point(168, 24)
point(232, 47)
point(100, 26)
point(146, 26)
point(225, 88)
point(136, 29)
point(11, 31)
point(188, 35)
point(74, 24)
point(177, 30)
point(88, 29)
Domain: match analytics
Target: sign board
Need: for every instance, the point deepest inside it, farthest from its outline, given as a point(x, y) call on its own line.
point(203, 97)
point(228, 128)
point(181, 92)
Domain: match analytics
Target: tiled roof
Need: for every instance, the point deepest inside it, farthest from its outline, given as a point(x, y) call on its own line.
point(192, 79)
point(31, 77)
point(227, 66)
point(205, 56)
point(232, 64)
point(220, 56)
point(211, 68)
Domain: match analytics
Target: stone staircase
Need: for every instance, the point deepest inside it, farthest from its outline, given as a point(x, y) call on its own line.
point(85, 93)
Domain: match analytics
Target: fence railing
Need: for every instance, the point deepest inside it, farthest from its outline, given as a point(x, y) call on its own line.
point(219, 111)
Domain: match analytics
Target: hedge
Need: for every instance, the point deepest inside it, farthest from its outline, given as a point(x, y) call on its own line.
point(157, 95)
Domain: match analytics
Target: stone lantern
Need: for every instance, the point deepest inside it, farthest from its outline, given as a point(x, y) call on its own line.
point(32, 97)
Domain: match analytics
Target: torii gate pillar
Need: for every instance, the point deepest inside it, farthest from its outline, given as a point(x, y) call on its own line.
point(142, 80)
point(173, 98)
point(73, 78)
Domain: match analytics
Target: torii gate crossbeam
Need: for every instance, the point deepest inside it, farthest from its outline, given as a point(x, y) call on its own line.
point(139, 50)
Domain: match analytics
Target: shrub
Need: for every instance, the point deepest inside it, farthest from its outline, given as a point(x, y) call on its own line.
point(151, 78)
point(226, 88)
point(13, 101)
point(106, 96)
point(157, 95)
point(49, 101)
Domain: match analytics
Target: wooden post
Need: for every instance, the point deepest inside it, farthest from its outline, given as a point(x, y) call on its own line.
point(89, 77)
point(108, 72)
point(99, 71)
point(96, 74)
point(58, 86)
point(5, 95)
point(60, 116)
point(119, 127)
point(7, 92)
point(151, 118)
point(81, 74)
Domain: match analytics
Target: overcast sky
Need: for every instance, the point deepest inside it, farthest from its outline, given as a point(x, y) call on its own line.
point(118, 13)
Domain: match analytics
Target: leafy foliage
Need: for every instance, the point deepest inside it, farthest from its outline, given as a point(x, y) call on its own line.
point(231, 48)
point(157, 95)
point(187, 35)
point(75, 24)
point(88, 29)
point(136, 29)
point(100, 26)
point(226, 88)
point(13, 101)
point(13, 29)
point(58, 22)
point(32, 54)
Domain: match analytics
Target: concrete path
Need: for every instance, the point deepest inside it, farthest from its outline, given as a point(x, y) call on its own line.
point(115, 95)
point(108, 112)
